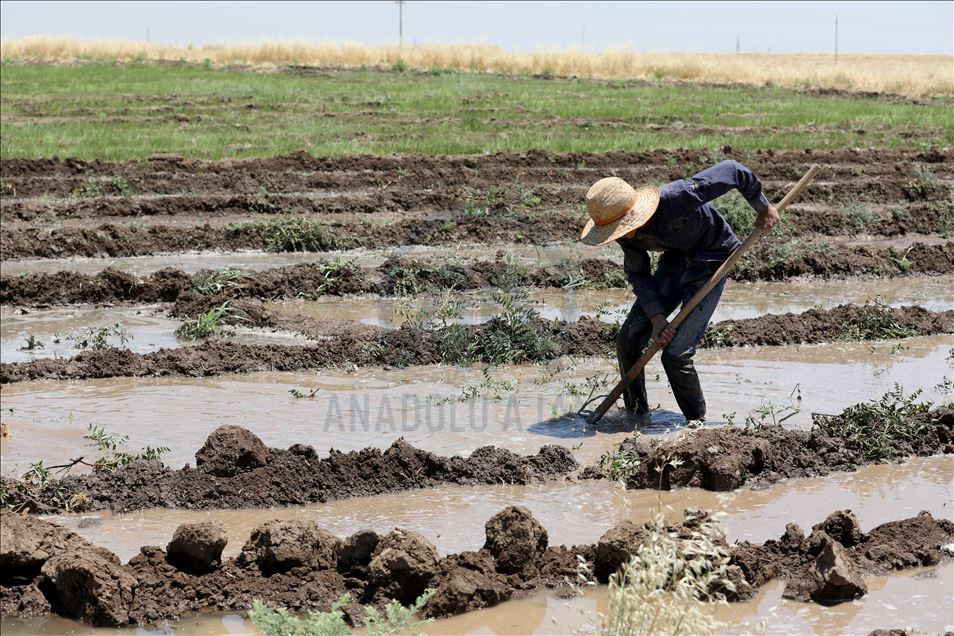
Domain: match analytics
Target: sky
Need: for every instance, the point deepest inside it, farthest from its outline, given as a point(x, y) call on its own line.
point(776, 27)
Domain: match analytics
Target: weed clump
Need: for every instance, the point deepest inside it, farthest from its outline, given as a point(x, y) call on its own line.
point(875, 428)
point(396, 619)
point(291, 235)
point(923, 185)
point(207, 324)
point(668, 586)
point(211, 282)
point(876, 322)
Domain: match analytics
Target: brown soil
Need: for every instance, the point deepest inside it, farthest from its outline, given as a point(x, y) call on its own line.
point(166, 285)
point(225, 478)
point(437, 200)
point(726, 458)
point(299, 566)
point(348, 343)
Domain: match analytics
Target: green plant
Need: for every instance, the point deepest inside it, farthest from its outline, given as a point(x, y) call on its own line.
point(32, 343)
point(856, 214)
point(300, 234)
point(210, 282)
point(93, 187)
point(106, 441)
point(923, 185)
point(876, 321)
point(396, 619)
point(209, 323)
point(98, 339)
point(876, 427)
point(530, 199)
point(332, 271)
point(619, 466)
point(668, 586)
point(717, 336)
point(514, 335)
point(400, 66)
point(490, 387)
point(298, 394)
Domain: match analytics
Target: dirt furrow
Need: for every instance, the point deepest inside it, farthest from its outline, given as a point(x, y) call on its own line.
point(302, 172)
point(296, 564)
point(347, 343)
point(403, 276)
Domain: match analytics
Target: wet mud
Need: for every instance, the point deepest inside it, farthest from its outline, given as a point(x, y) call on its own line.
point(727, 458)
point(343, 343)
point(405, 275)
point(296, 564)
point(234, 469)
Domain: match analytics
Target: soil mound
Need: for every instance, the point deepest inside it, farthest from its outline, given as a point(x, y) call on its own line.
point(288, 477)
point(726, 458)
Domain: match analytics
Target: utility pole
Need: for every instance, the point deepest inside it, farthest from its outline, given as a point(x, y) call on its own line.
point(147, 34)
point(836, 38)
point(400, 4)
point(738, 44)
point(583, 38)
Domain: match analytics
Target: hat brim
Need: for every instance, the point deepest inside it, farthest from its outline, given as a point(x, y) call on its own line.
point(647, 200)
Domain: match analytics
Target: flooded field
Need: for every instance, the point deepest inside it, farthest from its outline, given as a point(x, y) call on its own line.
point(343, 402)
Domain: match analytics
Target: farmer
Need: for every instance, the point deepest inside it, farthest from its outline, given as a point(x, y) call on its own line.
point(694, 239)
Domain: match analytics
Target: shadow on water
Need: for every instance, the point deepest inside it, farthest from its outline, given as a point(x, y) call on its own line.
point(575, 425)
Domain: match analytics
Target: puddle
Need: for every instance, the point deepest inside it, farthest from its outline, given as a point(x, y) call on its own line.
point(142, 329)
point(373, 407)
point(740, 300)
point(192, 262)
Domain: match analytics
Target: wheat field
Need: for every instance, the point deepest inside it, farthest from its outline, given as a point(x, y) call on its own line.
point(908, 75)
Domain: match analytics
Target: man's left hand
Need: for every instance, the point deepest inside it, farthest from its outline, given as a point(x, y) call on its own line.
point(767, 220)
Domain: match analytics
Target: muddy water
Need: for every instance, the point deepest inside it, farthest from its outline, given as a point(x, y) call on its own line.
point(740, 300)
point(372, 407)
point(143, 329)
point(194, 261)
point(453, 517)
point(888, 604)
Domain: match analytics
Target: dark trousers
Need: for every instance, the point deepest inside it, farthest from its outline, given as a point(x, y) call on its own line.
point(676, 284)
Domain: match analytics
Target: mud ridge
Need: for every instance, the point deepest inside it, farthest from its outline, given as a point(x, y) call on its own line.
point(296, 564)
point(345, 342)
point(299, 172)
point(234, 469)
point(403, 275)
point(726, 458)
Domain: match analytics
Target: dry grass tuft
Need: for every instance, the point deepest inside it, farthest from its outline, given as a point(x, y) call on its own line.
point(909, 75)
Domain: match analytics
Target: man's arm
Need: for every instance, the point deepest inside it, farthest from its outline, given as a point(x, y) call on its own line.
point(636, 266)
point(713, 182)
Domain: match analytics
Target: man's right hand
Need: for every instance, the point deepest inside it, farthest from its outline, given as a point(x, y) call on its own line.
point(661, 329)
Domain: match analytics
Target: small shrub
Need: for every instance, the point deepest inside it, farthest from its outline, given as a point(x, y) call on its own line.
point(875, 427)
point(396, 619)
point(668, 586)
point(857, 215)
point(876, 322)
point(211, 282)
point(529, 199)
point(98, 339)
point(923, 185)
point(32, 344)
point(291, 235)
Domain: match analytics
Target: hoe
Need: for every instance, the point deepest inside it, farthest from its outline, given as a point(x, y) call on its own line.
point(654, 345)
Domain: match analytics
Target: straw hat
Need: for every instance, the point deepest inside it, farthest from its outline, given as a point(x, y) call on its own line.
point(616, 209)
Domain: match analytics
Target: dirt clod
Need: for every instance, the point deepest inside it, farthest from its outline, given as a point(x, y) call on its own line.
point(278, 546)
point(197, 547)
point(230, 450)
point(515, 539)
point(91, 587)
point(837, 577)
point(402, 566)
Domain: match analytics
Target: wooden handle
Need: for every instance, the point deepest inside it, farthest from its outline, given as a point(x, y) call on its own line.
point(654, 344)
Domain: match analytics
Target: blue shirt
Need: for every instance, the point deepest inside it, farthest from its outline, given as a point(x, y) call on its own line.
point(686, 227)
